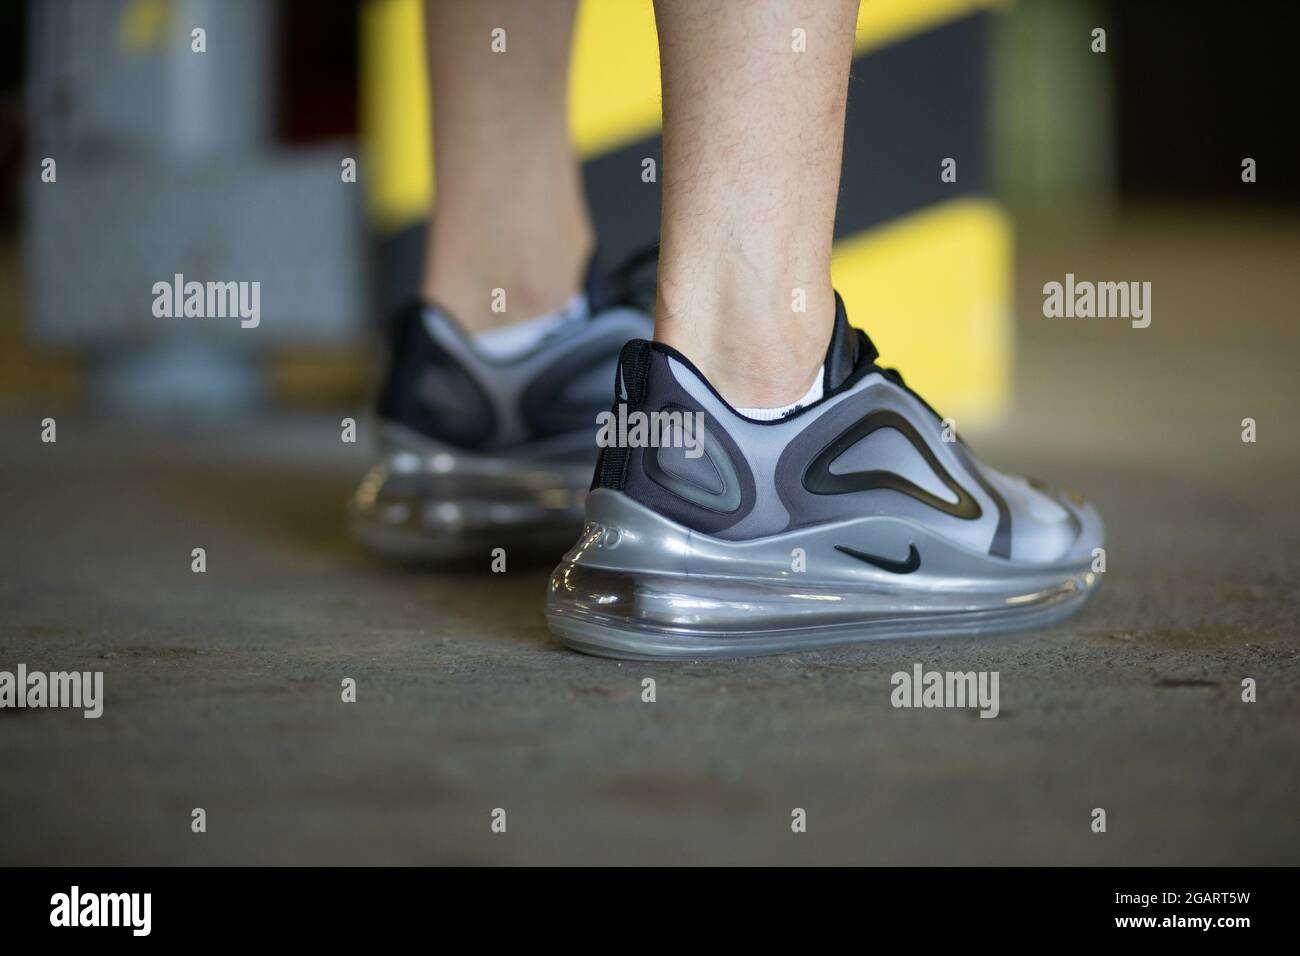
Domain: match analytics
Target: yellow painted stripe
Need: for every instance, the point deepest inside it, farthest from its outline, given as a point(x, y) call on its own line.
point(395, 133)
point(143, 25)
point(933, 290)
point(882, 22)
point(614, 78)
point(614, 85)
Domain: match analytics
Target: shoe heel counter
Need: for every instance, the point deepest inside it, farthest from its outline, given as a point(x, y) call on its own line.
point(689, 468)
point(429, 389)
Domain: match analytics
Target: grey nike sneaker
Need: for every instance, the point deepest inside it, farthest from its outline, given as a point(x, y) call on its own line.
point(851, 519)
point(478, 451)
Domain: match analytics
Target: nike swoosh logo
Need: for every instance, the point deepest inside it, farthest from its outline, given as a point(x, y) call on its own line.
point(885, 564)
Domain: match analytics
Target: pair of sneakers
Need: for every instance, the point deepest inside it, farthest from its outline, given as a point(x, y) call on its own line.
point(856, 517)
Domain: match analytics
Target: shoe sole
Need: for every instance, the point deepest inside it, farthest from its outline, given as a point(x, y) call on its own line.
point(427, 501)
point(638, 586)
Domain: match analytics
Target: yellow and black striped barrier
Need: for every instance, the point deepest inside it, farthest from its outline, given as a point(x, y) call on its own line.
point(923, 264)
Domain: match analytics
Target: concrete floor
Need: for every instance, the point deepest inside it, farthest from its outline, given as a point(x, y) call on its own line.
point(223, 689)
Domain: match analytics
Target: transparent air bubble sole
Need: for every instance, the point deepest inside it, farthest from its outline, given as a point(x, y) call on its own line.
point(424, 501)
point(635, 615)
point(638, 585)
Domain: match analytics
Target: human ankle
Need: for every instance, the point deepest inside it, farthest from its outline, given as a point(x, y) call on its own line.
point(748, 336)
point(488, 272)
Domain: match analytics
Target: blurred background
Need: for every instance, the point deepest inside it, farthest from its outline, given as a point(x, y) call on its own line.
point(223, 688)
point(226, 165)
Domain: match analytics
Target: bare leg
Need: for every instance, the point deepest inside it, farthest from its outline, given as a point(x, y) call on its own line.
point(510, 210)
point(753, 136)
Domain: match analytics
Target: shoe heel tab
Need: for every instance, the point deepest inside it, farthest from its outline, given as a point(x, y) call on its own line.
point(633, 372)
point(849, 350)
point(629, 390)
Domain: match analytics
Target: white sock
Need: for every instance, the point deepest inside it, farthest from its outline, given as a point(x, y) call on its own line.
point(512, 341)
point(772, 414)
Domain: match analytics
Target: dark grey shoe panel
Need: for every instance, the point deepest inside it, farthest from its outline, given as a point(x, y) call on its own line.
point(556, 401)
point(877, 451)
point(679, 487)
point(428, 391)
point(820, 478)
point(441, 386)
point(710, 481)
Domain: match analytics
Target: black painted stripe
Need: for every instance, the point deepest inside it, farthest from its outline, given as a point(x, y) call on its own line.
point(911, 104)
